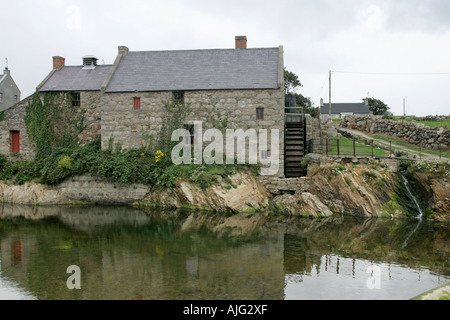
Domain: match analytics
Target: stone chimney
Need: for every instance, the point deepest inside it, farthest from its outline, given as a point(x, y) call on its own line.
point(123, 50)
point(241, 42)
point(58, 62)
point(321, 102)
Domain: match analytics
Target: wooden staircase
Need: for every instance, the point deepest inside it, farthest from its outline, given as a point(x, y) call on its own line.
point(294, 147)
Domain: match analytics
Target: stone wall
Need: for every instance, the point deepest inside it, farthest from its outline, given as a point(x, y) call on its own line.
point(90, 104)
point(91, 189)
point(414, 133)
point(218, 109)
point(316, 133)
point(14, 121)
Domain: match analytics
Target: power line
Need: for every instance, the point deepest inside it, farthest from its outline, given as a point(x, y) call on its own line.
point(395, 74)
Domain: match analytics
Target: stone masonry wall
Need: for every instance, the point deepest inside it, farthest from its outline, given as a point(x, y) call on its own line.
point(414, 133)
point(90, 104)
point(91, 189)
point(14, 121)
point(219, 109)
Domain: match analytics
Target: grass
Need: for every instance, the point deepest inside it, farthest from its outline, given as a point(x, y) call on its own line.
point(435, 124)
point(346, 148)
point(399, 142)
point(431, 124)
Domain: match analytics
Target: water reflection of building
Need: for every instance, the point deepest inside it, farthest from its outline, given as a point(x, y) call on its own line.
point(138, 261)
point(127, 254)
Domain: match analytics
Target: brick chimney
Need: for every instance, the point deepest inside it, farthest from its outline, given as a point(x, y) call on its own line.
point(58, 62)
point(241, 42)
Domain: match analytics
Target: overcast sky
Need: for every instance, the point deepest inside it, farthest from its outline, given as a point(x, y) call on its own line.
point(387, 49)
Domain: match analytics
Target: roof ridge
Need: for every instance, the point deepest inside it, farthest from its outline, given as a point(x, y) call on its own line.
point(217, 49)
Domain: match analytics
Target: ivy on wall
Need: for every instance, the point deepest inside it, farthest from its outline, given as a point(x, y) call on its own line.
point(53, 122)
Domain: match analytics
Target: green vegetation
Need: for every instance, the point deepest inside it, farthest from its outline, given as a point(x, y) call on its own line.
point(399, 142)
point(346, 148)
point(426, 121)
point(436, 124)
point(61, 155)
point(378, 107)
point(431, 168)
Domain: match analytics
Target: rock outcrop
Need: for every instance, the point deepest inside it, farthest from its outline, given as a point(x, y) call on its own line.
point(339, 188)
point(245, 193)
point(32, 194)
point(356, 187)
point(434, 187)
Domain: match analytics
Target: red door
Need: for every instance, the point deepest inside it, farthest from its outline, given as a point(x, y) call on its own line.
point(15, 141)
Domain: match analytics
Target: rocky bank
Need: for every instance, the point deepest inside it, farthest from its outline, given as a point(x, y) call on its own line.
point(358, 187)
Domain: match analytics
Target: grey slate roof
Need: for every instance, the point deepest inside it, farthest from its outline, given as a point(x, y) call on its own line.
point(196, 70)
point(338, 108)
point(74, 78)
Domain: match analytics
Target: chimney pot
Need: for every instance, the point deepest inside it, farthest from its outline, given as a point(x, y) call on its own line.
point(58, 62)
point(123, 50)
point(241, 42)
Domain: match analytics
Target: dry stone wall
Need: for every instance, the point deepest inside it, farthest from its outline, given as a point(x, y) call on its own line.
point(414, 133)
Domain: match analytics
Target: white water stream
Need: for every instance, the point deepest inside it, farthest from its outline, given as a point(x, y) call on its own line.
point(419, 209)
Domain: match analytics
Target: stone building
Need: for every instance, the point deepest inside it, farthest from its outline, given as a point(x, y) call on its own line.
point(13, 134)
point(340, 110)
point(9, 91)
point(240, 88)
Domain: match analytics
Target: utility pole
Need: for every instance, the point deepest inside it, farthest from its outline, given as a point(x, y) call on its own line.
point(330, 96)
point(404, 107)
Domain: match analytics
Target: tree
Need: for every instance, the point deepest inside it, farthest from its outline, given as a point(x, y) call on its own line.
point(291, 83)
point(378, 107)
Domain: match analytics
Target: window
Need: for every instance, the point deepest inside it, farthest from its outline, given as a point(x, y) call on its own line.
point(15, 98)
point(137, 103)
point(178, 97)
point(15, 141)
point(76, 101)
point(189, 139)
point(259, 113)
point(1, 97)
point(264, 155)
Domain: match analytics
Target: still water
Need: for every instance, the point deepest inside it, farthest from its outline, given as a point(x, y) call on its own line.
point(125, 253)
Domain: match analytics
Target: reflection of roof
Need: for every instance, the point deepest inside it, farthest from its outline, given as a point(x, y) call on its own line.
point(197, 70)
point(74, 78)
point(338, 108)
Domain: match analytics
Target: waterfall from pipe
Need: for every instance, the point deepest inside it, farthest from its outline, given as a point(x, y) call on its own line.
point(419, 209)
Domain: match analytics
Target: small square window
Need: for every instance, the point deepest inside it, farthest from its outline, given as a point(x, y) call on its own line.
point(264, 155)
point(76, 100)
point(178, 97)
point(137, 103)
point(259, 113)
point(15, 98)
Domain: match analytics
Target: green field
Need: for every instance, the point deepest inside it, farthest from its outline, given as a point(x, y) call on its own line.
point(396, 141)
point(432, 124)
point(346, 148)
point(435, 124)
